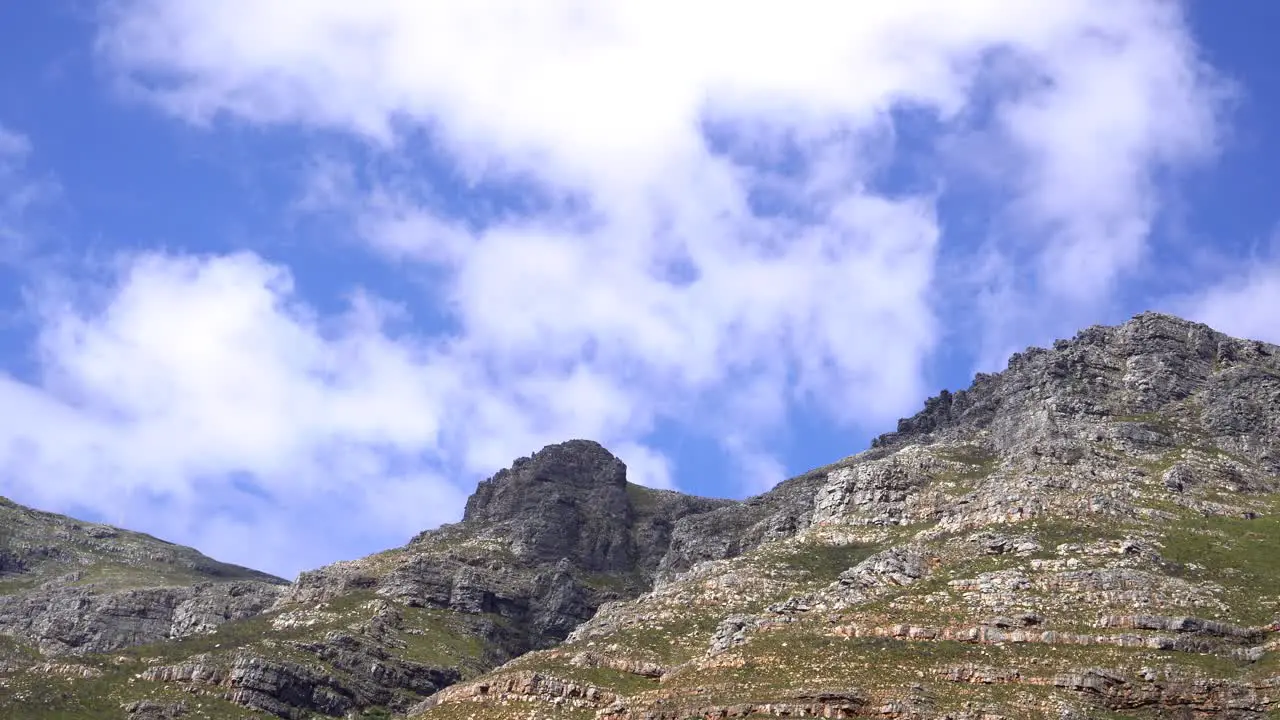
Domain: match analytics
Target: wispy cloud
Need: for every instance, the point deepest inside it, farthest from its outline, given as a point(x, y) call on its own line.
point(13, 145)
point(1244, 306)
point(1242, 300)
point(692, 213)
point(21, 193)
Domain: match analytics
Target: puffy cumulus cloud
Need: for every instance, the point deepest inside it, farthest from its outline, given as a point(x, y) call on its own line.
point(700, 212)
point(187, 384)
point(200, 399)
point(1072, 108)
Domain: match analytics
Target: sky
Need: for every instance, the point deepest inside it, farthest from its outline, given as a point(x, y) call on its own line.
point(283, 279)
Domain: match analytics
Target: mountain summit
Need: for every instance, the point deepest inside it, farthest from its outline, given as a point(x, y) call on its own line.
point(567, 501)
point(1154, 364)
point(1093, 532)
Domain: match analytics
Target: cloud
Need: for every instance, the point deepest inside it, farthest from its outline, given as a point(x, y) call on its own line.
point(1072, 109)
point(631, 212)
point(191, 382)
point(1242, 301)
point(1121, 111)
point(22, 192)
point(1243, 307)
point(200, 398)
point(1081, 155)
point(13, 144)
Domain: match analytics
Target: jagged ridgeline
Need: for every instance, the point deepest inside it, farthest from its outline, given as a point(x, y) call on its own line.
point(1092, 533)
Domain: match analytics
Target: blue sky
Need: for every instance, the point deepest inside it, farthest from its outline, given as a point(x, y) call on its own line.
point(283, 280)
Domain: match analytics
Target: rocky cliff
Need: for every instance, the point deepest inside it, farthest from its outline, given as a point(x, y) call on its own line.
point(1093, 532)
point(540, 547)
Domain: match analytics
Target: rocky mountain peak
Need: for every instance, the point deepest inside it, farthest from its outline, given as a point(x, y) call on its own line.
point(572, 471)
point(1152, 365)
point(565, 501)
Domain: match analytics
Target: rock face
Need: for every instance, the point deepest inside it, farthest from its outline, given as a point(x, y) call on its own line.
point(1157, 372)
point(77, 620)
point(540, 547)
point(731, 530)
point(567, 501)
point(74, 587)
point(1093, 532)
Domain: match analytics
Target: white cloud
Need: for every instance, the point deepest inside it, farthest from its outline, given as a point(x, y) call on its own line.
point(715, 231)
point(1089, 99)
point(1123, 108)
point(12, 145)
point(1242, 303)
point(197, 371)
point(1117, 112)
point(21, 193)
point(200, 399)
point(645, 465)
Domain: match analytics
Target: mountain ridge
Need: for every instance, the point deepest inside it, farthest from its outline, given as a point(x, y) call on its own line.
point(1090, 532)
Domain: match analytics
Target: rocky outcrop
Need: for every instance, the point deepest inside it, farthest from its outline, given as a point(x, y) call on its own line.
point(572, 502)
point(1144, 370)
point(153, 710)
point(567, 501)
point(523, 687)
point(85, 619)
point(590, 659)
point(833, 704)
point(541, 544)
point(75, 587)
point(340, 673)
point(1196, 626)
point(884, 491)
point(736, 528)
point(1011, 631)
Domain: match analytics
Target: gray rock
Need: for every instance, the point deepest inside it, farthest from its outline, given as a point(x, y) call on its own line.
point(566, 501)
point(77, 587)
point(731, 632)
point(1179, 477)
point(87, 620)
point(1143, 369)
point(732, 529)
point(153, 710)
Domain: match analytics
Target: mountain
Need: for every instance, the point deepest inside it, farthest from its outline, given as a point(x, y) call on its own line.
point(1093, 532)
point(71, 587)
point(128, 625)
